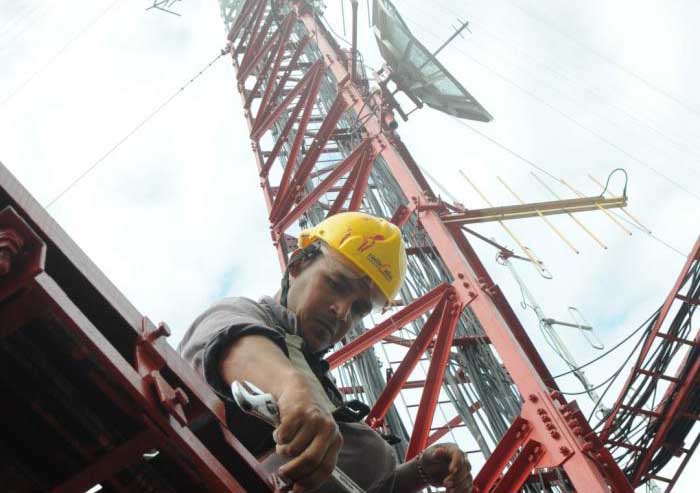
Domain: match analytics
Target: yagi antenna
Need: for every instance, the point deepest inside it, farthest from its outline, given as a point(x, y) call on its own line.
point(164, 6)
point(549, 332)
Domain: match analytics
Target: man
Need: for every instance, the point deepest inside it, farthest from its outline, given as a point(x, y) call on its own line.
point(345, 266)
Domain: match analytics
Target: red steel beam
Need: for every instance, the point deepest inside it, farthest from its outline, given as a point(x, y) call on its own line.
point(356, 159)
point(282, 138)
point(255, 52)
point(514, 438)
point(344, 192)
point(291, 66)
point(272, 65)
point(110, 464)
point(472, 286)
point(581, 470)
point(653, 334)
point(241, 18)
point(408, 364)
point(264, 121)
point(443, 430)
point(291, 188)
point(309, 98)
point(436, 373)
point(400, 319)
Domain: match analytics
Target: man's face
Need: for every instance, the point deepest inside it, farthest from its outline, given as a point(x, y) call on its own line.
point(329, 296)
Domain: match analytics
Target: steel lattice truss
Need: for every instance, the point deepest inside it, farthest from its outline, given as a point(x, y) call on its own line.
point(658, 408)
point(324, 143)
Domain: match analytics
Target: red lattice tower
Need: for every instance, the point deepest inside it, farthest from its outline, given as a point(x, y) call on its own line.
point(324, 143)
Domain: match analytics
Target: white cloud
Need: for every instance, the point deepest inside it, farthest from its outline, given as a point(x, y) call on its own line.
point(175, 217)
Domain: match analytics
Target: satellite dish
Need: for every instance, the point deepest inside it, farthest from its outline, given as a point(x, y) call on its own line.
point(416, 71)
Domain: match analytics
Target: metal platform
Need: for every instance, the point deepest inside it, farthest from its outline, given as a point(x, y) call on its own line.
point(92, 392)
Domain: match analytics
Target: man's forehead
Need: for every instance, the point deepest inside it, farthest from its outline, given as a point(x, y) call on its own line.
point(343, 266)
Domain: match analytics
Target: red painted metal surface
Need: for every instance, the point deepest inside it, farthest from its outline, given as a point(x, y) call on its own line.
point(436, 373)
point(91, 384)
point(672, 408)
point(435, 323)
point(472, 286)
point(400, 319)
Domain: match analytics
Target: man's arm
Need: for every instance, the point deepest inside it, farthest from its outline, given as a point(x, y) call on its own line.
point(306, 432)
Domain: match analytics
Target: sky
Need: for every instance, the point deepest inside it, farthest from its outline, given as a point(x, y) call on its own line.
point(175, 216)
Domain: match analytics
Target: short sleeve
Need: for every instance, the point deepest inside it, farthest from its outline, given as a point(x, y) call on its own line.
point(213, 332)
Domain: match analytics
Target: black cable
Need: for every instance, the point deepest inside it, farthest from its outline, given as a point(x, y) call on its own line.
point(617, 373)
point(624, 189)
point(644, 324)
point(132, 132)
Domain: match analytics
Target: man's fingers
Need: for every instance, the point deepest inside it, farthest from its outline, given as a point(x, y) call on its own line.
point(313, 456)
point(458, 461)
point(287, 429)
point(323, 471)
point(456, 482)
point(299, 442)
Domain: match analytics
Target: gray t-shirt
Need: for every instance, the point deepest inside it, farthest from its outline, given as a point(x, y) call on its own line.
point(365, 456)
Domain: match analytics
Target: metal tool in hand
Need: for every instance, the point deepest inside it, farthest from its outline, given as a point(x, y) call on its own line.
point(255, 402)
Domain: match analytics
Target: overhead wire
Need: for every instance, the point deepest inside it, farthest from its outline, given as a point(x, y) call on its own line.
point(571, 80)
point(16, 22)
point(611, 61)
point(126, 137)
point(568, 117)
point(613, 348)
point(55, 56)
point(550, 175)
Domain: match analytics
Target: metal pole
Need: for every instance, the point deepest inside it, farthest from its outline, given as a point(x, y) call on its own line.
point(353, 67)
point(546, 324)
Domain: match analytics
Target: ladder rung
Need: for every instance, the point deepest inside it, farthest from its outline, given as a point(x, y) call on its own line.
point(693, 301)
point(658, 375)
point(669, 337)
point(439, 402)
point(637, 410)
point(626, 445)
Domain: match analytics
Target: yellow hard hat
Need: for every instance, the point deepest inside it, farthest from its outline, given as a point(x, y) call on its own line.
point(372, 244)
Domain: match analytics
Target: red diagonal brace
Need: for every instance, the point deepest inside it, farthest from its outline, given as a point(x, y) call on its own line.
point(521, 468)
point(249, 30)
point(309, 101)
point(400, 319)
point(354, 160)
point(436, 373)
point(291, 66)
point(282, 138)
point(297, 182)
point(344, 192)
point(443, 430)
point(264, 120)
point(274, 61)
point(361, 183)
point(491, 471)
point(240, 19)
point(409, 362)
point(253, 56)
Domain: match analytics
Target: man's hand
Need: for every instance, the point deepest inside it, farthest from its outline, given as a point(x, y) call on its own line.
point(309, 435)
point(445, 464)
